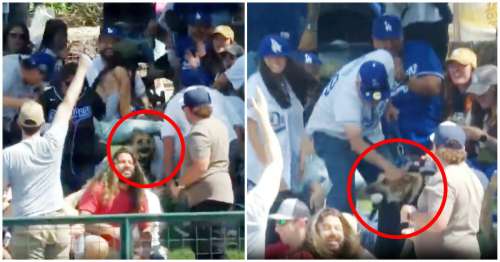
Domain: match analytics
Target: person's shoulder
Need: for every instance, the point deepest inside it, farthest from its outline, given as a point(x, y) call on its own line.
point(211, 122)
point(255, 77)
point(13, 59)
point(276, 250)
point(95, 187)
point(255, 82)
point(10, 150)
point(381, 55)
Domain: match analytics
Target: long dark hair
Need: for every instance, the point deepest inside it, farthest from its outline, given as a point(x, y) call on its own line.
point(298, 78)
point(351, 246)
point(110, 182)
point(212, 62)
point(52, 27)
point(26, 37)
point(450, 94)
point(116, 60)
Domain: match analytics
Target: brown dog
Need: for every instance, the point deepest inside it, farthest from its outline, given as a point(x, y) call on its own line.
point(143, 144)
point(404, 190)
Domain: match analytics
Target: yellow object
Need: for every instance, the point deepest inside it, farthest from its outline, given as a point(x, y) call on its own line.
point(464, 56)
point(225, 31)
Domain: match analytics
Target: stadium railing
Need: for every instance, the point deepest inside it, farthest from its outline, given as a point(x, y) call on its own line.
point(127, 220)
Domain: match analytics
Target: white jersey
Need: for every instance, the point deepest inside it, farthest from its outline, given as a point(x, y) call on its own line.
point(32, 168)
point(341, 103)
point(288, 124)
point(222, 110)
point(236, 73)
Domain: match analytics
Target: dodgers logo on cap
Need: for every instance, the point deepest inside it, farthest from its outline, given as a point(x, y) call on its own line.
point(308, 59)
point(198, 16)
point(275, 46)
point(388, 27)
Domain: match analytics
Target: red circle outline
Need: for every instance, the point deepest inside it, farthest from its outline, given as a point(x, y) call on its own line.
point(353, 207)
point(110, 140)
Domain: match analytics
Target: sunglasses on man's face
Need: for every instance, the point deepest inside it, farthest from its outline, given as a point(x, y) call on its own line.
point(281, 222)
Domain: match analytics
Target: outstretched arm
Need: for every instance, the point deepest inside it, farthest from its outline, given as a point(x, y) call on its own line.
point(269, 182)
point(65, 109)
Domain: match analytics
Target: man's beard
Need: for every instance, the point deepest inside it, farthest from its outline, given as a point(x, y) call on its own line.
point(106, 54)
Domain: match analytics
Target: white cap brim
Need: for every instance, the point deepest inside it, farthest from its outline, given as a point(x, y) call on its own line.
point(278, 216)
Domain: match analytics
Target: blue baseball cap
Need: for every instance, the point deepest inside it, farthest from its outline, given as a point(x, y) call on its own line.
point(42, 61)
point(111, 31)
point(199, 18)
point(374, 83)
point(196, 96)
point(386, 27)
point(274, 45)
point(308, 58)
point(450, 136)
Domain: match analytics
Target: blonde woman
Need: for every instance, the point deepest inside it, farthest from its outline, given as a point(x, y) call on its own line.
point(332, 234)
point(107, 194)
point(454, 235)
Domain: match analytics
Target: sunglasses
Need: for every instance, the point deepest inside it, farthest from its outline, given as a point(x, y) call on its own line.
point(16, 35)
point(281, 222)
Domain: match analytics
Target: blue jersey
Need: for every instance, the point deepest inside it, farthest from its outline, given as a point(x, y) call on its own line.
point(419, 115)
point(191, 76)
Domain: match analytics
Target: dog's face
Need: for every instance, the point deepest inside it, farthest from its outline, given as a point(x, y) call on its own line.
point(404, 190)
point(142, 143)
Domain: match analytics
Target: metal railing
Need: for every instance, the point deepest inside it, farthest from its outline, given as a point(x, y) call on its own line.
point(126, 221)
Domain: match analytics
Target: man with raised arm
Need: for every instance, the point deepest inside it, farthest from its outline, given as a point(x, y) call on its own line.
point(32, 168)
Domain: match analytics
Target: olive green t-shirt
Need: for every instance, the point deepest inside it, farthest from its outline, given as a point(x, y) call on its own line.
point(209, 139)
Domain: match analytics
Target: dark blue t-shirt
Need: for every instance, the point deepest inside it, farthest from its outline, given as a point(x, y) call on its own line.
point(419, 115)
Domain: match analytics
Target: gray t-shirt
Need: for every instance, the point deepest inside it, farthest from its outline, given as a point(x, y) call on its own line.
point(209, 139)
point(32, 168)
point(13, 86)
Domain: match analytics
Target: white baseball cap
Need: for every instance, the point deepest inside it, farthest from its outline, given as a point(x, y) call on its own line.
point(445, 123)
point(291, 208)
point(482, 79)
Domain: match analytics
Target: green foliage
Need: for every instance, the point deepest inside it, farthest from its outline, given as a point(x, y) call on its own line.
point(78, 14)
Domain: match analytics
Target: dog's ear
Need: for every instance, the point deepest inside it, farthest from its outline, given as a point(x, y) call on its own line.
point(132, 138)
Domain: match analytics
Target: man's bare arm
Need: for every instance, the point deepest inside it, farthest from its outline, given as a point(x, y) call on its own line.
point(65, 109)
point(358, 145)
point(13, 102)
